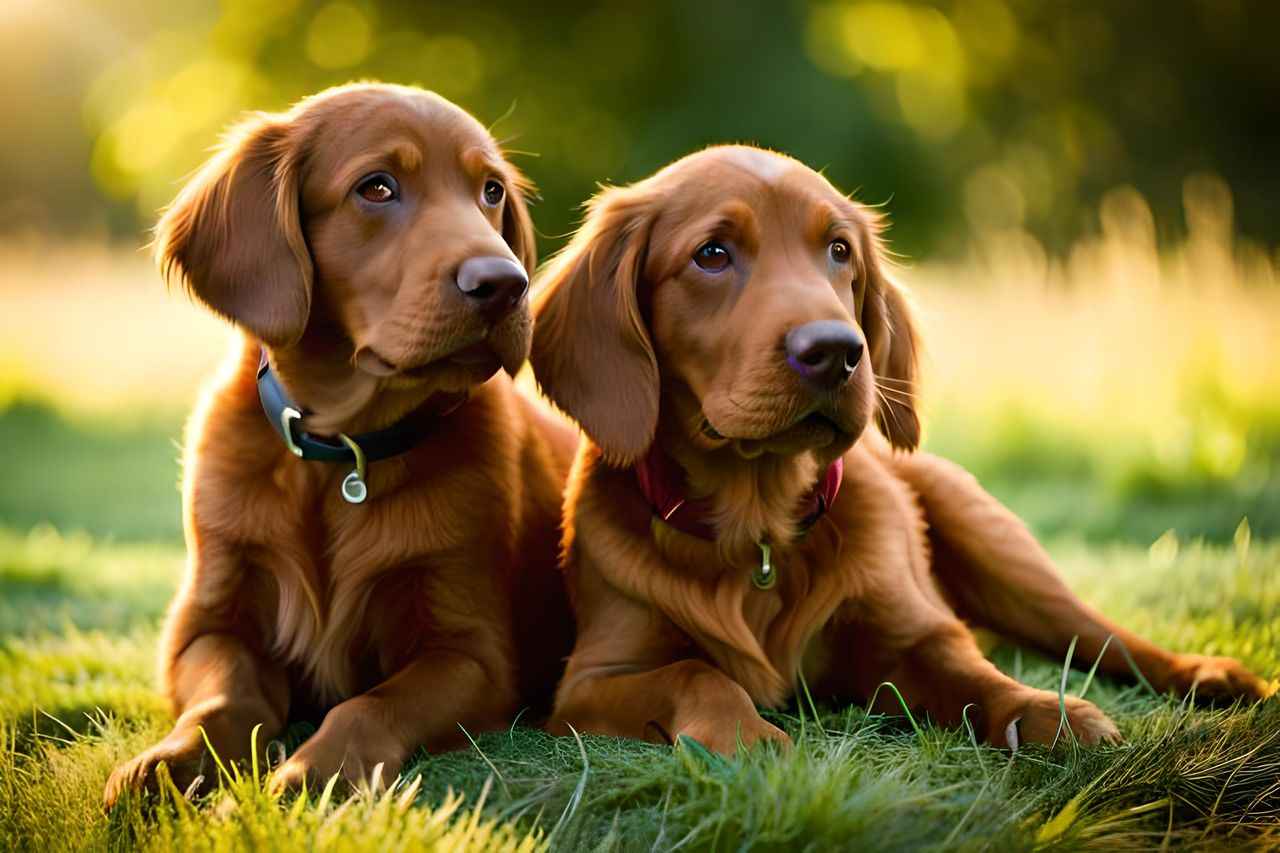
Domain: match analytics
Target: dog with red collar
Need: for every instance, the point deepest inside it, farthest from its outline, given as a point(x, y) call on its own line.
point(750, 507)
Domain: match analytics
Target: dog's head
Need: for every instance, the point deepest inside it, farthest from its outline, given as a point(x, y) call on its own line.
point(739, 291)
point(380, 217)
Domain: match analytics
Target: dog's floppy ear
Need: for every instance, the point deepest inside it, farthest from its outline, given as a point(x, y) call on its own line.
point(887, 321)
point(591, 350)
point(517, 226)
point(234, 237)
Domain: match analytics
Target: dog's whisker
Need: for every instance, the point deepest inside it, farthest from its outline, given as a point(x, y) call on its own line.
point(891, 409)
point(897, 392)
point(896, 396)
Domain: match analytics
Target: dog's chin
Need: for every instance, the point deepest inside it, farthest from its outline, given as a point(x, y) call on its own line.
point(506, 347)
point(784, 424)
point(816, 431)
point(457, 371)
point(812, 432)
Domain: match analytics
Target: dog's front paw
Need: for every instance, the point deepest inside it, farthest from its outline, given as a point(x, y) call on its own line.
point(719, 735)
point(1036, 717)
point(1214, 678)
point(182, 752)
point(350, 744)
point(315, 763)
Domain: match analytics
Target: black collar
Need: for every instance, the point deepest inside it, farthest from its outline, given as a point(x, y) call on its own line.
point(284, 415)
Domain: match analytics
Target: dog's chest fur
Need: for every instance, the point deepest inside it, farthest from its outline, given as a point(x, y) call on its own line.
point(345, 573)
point(763, 638)
point(758, 637)
point(346, 594)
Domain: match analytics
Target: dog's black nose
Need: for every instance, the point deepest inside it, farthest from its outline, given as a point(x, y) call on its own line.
point(494, 284)
point(824, 352)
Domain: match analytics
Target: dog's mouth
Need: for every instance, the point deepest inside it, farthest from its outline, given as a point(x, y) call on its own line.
point(473, 359)
point(478, 357)
point(809, 432)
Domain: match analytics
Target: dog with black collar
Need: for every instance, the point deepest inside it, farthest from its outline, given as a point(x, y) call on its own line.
point(371, 507)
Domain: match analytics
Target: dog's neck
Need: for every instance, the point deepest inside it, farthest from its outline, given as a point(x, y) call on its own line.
point(321, 377)
point(756, 638)
point(752, 500)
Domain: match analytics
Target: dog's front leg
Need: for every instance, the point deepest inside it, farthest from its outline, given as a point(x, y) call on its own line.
point(221, 689)
point(689, 697)
point(632, 674)
point(424, 704)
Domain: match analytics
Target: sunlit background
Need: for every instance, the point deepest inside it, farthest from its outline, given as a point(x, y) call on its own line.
point(1083, 197)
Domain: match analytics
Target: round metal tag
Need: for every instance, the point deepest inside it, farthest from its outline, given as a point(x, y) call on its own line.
point(764, 577)
point(354, 491)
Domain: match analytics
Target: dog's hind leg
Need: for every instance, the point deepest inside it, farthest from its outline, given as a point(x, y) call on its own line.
point(998, 577)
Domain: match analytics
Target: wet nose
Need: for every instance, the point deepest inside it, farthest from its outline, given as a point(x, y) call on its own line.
point(495, 285)
point(825, 352)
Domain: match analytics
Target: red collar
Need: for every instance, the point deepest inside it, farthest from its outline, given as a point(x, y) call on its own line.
point(662, 482)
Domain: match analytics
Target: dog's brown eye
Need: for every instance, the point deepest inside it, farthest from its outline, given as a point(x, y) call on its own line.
point(712, 257)
point(840, 251)
point(378, 188)
point(494, 192)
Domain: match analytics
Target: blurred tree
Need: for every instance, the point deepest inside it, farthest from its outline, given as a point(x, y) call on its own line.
point(969, 115)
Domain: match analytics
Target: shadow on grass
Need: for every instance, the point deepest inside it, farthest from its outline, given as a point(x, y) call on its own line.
point(50, 606)
point(50, 582)
point(107, 478)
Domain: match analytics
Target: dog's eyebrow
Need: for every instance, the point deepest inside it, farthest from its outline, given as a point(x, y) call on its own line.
point(478, 161)
point(738, 219)
point(828, 220)
point(400, 154)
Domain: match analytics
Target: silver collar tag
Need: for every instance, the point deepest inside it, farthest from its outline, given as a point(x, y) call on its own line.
point(354, 489)
point(764, 577)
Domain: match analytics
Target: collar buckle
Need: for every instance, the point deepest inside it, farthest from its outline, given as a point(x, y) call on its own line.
point(287, 416)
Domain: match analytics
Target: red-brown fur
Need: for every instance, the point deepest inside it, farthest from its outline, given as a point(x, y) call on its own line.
point(640, 345)
point(438, 601)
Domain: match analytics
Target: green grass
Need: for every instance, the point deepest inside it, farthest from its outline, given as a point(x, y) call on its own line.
point(80, 611)
point(1065, 480)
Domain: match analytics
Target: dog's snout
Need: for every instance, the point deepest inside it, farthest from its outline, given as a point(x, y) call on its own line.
point(495, 285)
point(825, 352)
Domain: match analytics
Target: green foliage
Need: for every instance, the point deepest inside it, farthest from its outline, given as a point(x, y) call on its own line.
point(1068, 485)
point(969, 114)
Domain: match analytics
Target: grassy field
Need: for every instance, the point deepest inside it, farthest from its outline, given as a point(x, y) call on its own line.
point(79, 623)
point(1123, 401)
